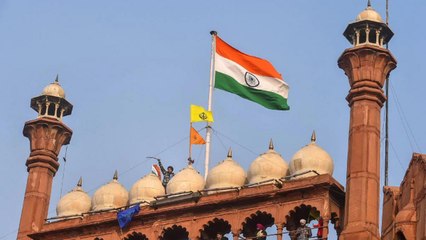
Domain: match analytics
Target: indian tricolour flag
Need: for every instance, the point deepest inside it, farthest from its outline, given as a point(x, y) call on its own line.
point(249, 77)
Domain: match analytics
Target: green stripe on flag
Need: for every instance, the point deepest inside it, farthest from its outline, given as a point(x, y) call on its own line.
point(267, 99)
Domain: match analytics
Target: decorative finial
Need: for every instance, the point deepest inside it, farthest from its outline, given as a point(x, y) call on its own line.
point(57, 78)
point(369, 3)
point(115, 175)
point(313, 137)
point(80, 182)
point(230, 153)
point(271, 145)
point(213, 33)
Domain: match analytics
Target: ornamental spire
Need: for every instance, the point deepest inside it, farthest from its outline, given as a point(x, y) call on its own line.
point(80, 182)
point(230, 153)
point(271, 144)
point(313, 137)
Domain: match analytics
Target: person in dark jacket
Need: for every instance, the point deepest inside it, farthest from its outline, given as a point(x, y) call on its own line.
point(167, 174)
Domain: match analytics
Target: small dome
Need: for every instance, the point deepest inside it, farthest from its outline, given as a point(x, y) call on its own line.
point(188, 179)
point(146, 188)
point(369, 14)
point(109, 196)
point(227, 173)
point(269, 165)
point(75, 202)
point(311, 157)
point(54, 89)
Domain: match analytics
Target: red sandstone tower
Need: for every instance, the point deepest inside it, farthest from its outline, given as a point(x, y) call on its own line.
point(47, 134)
point(367, 65)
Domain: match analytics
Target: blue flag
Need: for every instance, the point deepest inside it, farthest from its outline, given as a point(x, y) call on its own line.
point(125, 217)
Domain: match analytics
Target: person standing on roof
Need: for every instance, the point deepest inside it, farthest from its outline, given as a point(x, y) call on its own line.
point(167, 174)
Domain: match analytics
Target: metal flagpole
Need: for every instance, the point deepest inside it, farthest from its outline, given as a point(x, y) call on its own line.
point(387, 111)
point(190, 142)
point(209, 106)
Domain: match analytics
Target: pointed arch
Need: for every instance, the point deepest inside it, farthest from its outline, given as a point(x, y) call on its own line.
point(212, 228)
point(175, 232)
point(400, 236)
point(136, 236)
point(303, 211)
point(249, 225)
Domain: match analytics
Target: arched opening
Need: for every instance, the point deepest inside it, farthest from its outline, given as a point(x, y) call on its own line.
point(175, 233)
point(400, 236)
point(372, 38)
point(362, 36)
point(303, 211)
point(58, 113)
point(249, 226)
point(136, 236)
point(43, 109)
point(215, 227)
point(51, 110)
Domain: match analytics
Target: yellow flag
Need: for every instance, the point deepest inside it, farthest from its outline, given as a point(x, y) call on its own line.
point(199, 114)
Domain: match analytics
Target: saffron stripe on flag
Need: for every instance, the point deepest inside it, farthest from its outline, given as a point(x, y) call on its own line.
point(253, 64)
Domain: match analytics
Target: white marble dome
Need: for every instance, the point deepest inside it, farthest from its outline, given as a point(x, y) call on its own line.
point(77, 201)
point(109, 196)
point(54, 89)
point(311, 157)
point(269, 165)
point(227, 173)
point(146, 188)
point(369, 14)
point(188, 179)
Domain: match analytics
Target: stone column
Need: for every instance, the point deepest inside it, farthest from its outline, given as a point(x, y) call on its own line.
point(46, 137)
point(236, 234)
point(280, 227)
point(325, 230)
point(367, 68)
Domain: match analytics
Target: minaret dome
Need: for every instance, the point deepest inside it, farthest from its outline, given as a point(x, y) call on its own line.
point(52, 103)
point(368, 28)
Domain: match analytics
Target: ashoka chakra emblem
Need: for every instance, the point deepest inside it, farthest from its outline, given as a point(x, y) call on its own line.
point(251, 80)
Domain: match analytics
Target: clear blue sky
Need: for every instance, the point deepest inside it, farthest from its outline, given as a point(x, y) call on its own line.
point(132, 68)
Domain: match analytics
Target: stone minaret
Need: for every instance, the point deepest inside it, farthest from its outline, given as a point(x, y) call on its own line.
point(47, 134)
point(367, 65)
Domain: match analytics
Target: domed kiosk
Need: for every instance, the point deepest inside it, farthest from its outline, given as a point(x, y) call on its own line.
point(145, 189)
point(227, 174)
point(269, 165)
point(76, 202)
point(310, 160)
point(187, 180)
point(109, 196)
